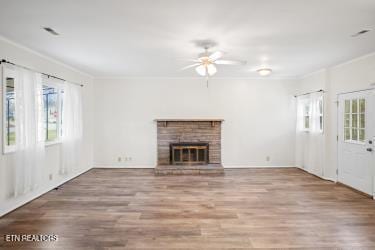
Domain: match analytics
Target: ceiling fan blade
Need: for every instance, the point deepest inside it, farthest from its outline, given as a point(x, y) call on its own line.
point(201, 70)
point(216, 55)
point(194, 60)
point(190, 66)
point(211, 69)
point(230, 62)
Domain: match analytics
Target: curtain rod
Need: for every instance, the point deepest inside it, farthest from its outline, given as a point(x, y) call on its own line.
point(320, 90)
point(48, 75)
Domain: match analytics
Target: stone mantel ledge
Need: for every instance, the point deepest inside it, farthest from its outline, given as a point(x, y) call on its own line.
point(214, 121)
point(190, 120)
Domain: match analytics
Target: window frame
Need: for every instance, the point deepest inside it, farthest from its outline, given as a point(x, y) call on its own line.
point(6, 73)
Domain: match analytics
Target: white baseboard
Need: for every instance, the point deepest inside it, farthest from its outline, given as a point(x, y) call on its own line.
point(124, 167)
point(247, 166)
point(321, 177)
point(14, 203)
point(225, 166)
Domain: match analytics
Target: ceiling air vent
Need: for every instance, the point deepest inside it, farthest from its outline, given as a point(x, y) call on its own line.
point(360, 33)
point(51, 31)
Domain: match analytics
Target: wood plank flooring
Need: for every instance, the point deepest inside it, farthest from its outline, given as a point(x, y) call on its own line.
point(244, 209)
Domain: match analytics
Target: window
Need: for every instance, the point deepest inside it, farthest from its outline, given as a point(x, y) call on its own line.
point(52, 103)
point(311, 114)
point(354, 120)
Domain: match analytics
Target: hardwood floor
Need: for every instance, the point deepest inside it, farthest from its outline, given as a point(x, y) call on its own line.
point(245, 208)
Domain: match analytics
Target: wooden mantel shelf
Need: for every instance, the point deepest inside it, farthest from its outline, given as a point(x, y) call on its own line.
point(212, 120)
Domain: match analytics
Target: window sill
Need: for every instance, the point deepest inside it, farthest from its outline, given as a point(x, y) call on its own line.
point(308, 132)
point(51, 143)
point(7, 151)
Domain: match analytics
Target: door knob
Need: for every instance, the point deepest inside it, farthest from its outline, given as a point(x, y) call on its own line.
point(369, 149)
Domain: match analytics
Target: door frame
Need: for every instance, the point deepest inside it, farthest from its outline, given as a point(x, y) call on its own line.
point(337, 140)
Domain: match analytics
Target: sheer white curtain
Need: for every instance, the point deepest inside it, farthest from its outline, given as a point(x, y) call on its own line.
point(310, 142)
point(29, 155)
point(301, 134)
point(71, 128)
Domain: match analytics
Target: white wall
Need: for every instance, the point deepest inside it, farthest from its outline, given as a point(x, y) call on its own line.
point(259, 118)
point(354, 75)
point(23, 56)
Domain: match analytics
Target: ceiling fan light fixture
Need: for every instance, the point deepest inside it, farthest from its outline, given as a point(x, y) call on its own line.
point(201, 70)
point(264, 71)
point(211, 69)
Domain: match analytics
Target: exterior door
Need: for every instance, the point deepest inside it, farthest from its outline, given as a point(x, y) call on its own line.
point(356, 135)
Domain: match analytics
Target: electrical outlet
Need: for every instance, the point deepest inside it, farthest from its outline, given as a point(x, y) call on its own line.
point(119, 159)
point(268, 158)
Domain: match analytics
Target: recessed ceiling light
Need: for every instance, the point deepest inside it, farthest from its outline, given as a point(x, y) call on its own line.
point(264, 72)
point(51, 31)
point(361, 32)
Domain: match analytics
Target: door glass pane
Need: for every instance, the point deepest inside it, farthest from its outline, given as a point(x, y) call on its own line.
point(10, 113)
point(347, 121)
point(354, 120)
point(362, 105)
point(354, 106)
point(362, 121)
point(362, 135)
point(347, 106)
point(347, 134)
point(354, 134)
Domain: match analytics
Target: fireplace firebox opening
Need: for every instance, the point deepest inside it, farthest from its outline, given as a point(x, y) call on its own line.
point(189, 153)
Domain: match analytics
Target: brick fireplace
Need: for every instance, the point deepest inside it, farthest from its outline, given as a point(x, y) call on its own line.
point(189, 146)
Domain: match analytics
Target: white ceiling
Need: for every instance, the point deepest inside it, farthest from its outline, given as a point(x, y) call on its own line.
point(153, 38)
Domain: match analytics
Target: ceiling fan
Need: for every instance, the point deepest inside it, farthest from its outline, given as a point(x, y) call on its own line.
point(206, 63)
